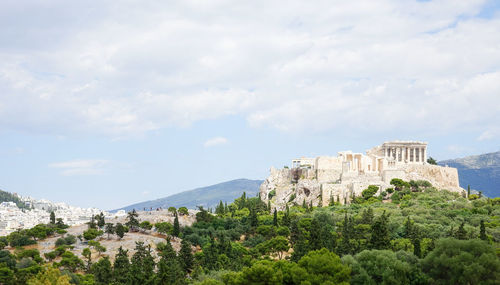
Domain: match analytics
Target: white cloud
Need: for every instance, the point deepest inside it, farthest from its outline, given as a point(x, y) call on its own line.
point(489, 134)
point(215, 142)
point(353, 65)
point(81, 167)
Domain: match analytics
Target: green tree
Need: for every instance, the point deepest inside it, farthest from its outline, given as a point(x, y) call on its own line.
point(275, 218)
point(121, 267)
point(462, 262)
point(380, 238)
point(186, 256)
point(384, 267)
point(88, 255)
point(169, 267)
point(103, 274)
point(142, 265)
point(132, 221)
point(120, 230)
point(482, 231)
point(109, 229)
point(176, 229)
point(91, 234)
point(431, 160)
point(52, 217)
point(183, 211)
point(100, 220)
point(461, 233)
point(324, 267)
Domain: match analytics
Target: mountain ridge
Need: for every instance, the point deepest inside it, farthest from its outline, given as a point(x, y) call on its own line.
point(481, 172)
point(208, 196)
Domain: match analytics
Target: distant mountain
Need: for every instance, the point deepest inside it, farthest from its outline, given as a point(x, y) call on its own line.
point(481, 172)
point(206, 196)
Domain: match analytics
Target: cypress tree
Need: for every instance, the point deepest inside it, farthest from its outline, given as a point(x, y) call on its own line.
point(332, 201)
point(468, 190)
point(417, 251)
point(254, 221)
point(121, 267)
point(286, 217)
point(176, 230)
point(482, 231)
point(408, 231)
point(52, 217)
point(275, 218)
point(461, 233)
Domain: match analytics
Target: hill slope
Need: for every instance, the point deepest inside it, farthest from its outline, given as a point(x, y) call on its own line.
point(206, 196)
point(481, 172)
point(9, 197)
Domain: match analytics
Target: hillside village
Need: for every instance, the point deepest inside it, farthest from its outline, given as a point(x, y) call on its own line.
point(13, 218)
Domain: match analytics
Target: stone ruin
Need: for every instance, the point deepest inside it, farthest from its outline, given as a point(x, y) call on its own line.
point(342, 177)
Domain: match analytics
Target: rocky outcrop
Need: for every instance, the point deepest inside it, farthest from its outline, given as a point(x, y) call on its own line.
point(298, 185)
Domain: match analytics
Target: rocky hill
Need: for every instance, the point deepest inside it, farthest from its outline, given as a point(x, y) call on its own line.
point(205, 196)
point(481, 172)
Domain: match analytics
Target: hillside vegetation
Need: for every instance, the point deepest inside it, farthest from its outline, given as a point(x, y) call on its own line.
point(422, 236)
point(9, 197)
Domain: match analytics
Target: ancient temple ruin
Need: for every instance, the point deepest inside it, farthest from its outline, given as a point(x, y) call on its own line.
point(349, 173)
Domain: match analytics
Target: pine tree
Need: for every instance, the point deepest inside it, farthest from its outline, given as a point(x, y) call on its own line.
point(110, 229)
point(133, 222)
point(121, 267)
point(120, 230)
point(100, 220)
point(52, 217)
point(275, 218)
point(91, 224)
point(186, 256)
point(380, 238)
point(103, 275)
point(169, 268)
point(482, 231)
point(142, 265)
point(176, 230)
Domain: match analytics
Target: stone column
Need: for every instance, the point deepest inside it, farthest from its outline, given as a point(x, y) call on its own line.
point(425, 154)
point(422, 155)
point(385, 152)
point(414, 155)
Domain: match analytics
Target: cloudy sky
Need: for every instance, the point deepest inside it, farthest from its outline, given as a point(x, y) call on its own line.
point(106, 103)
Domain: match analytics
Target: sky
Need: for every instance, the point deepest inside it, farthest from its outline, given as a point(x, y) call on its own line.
point(108, 103)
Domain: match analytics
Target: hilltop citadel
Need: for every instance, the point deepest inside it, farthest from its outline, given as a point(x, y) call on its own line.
point(342, 177)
